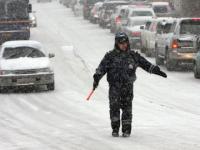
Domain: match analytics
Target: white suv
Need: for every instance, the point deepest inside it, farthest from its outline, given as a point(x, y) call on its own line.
point(180, 48)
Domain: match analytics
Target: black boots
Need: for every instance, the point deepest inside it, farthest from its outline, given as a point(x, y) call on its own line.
point(115, 133)
point(126, 134)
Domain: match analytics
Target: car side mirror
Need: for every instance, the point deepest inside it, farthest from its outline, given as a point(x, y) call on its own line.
point(51, 55)
point(142, 27)
point(29, 8)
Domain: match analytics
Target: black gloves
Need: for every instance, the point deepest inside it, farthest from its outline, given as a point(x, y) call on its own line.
point(156, 70)
point(95, 84)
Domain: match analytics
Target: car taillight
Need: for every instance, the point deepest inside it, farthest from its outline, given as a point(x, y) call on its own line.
point(118, 20)
point(137, 34)
point(175, 44)
point(196, 19)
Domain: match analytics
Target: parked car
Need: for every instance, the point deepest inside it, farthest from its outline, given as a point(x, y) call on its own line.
point(144, 32)
point(180, 47)
point(162, 9)
point(33, 19)
point(95, 12)
point(162, 35)
point(117, 18)
point(87, 6)
point(196, 67)
point(137, 11)
point(25, 63)
point(133, 30)
point(107, 10)
point(154, 29)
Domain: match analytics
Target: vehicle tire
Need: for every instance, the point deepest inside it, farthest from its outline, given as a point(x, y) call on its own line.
point(51, 86)
point(159, 61)
point(196, 74)
point(170, 65)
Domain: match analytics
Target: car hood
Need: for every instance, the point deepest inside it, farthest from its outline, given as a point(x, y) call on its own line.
point(24, 63)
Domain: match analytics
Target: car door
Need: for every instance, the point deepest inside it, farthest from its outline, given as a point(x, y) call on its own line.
point(159, 36)
point(149, 34)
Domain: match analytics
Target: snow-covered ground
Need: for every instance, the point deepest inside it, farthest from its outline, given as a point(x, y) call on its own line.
point(166, 114)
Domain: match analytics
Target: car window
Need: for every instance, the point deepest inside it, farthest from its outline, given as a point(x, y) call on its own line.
point(190, 27)
point(12, 53)
point(160, 9)
point(141, 13)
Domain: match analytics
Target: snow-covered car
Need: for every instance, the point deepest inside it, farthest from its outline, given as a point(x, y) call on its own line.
point(25, 63)
point(133, 30)
point(162, 9)
point(33, 19)
point(180, 48)
point(196, 67)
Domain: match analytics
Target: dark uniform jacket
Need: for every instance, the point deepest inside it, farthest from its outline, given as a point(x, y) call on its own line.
point(121, 66)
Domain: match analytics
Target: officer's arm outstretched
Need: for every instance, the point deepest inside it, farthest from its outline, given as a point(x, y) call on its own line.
point(147, 66)
point(100, 71)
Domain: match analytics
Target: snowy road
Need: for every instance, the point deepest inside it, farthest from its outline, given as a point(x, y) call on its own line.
point(166, 114)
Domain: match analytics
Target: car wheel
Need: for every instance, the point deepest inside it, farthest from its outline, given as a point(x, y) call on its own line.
point(196, 74)
point(159, 61)
point(169, 63)
point(51, 86)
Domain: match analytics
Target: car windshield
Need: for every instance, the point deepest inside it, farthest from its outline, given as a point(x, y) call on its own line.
point(160, 9)
point(13, 53)
point(190, 27)
point(137, 23)
point(141, 13)
point(13, 9)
